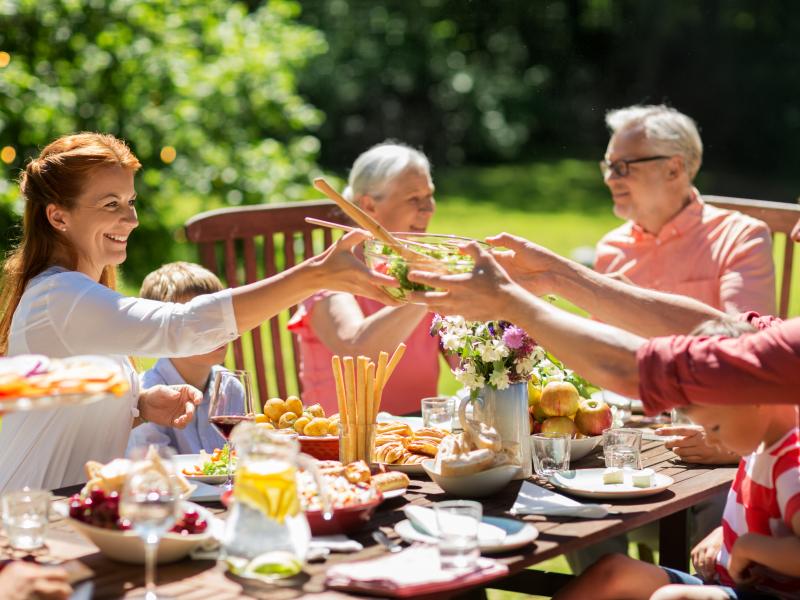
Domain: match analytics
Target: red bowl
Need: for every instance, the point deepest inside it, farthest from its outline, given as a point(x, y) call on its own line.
point(323, 447)
point(344, 520)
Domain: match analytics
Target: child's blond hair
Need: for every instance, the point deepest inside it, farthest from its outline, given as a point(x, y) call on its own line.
point(727, 327)
point(178, 282)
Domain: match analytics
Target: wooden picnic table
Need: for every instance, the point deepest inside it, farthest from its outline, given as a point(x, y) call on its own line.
point(204, 579)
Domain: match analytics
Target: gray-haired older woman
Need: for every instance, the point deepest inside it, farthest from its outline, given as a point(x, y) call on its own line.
point(392, 183)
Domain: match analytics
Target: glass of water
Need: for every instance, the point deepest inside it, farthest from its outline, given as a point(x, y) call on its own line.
point(149, 501)
point(622, 448)
point(550, 453)
point(25, 516)
point(458, 522)
point(438, 412)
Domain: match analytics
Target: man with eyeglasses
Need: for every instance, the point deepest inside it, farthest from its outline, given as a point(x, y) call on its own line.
point(673, 242)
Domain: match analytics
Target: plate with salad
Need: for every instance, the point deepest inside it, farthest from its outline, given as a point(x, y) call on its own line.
point(205, 467)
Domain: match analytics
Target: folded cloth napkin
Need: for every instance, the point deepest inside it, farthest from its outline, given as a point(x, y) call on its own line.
point(336, 543)
point(536, 500)
point(412, 572)
point(424, 519)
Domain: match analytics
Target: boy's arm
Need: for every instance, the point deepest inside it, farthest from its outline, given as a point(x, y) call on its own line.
point(779, 554)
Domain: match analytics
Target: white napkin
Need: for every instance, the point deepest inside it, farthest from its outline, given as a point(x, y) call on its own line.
point(535, 500)
point(335, 543)
point(424, 519)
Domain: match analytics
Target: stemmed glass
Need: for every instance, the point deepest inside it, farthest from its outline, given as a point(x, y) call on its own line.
point(149, 501)
point(231, 403)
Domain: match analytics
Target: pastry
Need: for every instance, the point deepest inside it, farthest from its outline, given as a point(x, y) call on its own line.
point(393, 480)
point(471, 462)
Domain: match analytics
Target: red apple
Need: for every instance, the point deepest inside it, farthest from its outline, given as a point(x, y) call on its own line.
point(593, 417)
point(559, 399)
point(559, 425)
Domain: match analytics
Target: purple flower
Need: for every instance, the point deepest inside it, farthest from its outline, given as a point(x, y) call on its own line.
point(513, 337)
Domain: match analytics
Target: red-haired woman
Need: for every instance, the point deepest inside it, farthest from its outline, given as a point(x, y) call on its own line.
point(58, 299)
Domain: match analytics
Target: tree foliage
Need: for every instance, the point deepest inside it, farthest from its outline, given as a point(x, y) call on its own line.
point(208, 82)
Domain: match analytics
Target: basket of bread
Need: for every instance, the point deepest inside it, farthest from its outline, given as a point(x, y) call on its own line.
point(94, 512)
point(318, 433)
point(473, 463)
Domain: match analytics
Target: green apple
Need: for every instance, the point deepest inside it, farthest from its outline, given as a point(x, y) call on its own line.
point(559, 425)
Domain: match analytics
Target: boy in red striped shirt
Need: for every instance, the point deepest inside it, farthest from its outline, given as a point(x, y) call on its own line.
point(755, 553)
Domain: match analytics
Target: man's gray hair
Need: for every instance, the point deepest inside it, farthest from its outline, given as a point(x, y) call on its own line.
point(670, 132)
point(379, 165)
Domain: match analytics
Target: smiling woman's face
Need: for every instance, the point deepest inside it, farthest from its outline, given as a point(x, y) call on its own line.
point(103, 217)
point(405, 203)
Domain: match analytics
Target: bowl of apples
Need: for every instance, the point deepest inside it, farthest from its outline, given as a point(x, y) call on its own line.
point(560, 409)
point(96, 517)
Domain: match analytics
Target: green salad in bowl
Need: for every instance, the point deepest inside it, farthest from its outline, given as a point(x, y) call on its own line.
point(443, 249)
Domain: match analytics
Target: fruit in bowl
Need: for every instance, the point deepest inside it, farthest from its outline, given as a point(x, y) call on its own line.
point(593, 417)
point(444, 257)
point(96, 517)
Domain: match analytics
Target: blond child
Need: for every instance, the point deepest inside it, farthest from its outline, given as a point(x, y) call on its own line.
point(180, 282)
point(754, 553)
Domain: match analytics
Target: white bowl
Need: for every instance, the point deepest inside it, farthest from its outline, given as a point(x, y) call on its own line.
point(580, 447)
point(127, 546)
point(477, 485)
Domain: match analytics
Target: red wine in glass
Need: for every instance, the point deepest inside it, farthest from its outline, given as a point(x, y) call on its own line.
point(225, 423)
point(231, 403)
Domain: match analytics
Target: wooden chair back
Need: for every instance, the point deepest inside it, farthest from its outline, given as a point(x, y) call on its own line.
point(248, 243)
point(780, 217)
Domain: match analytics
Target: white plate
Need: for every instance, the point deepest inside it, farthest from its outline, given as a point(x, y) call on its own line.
point(407, 469)
point(187, 461)
point(394, 493)
point(518, 534)
point(588, 483)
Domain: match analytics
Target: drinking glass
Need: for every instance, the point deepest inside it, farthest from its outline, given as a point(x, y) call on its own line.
point(622, 448)
point(25, 516)
point(438, 412)
point(149, 501)
point(550, 453)
point(231, 403)
point(457, 522)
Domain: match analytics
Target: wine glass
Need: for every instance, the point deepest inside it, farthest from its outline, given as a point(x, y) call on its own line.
point(231, 403)
point(149, 502)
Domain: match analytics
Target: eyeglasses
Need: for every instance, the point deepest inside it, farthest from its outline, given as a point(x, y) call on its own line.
point(621, 168)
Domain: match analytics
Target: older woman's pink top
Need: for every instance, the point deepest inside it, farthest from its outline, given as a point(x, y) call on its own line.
point(720, 257)
point(416, 375)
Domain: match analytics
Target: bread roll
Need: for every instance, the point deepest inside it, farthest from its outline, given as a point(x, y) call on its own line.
point(421, 446)
point(389, 453)
point(393, 480)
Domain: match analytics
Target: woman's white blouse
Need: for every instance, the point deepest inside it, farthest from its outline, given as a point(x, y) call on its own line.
point(64, 313)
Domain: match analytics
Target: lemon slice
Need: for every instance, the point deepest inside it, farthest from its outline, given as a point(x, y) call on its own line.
point(272, 565)
point(272, 491)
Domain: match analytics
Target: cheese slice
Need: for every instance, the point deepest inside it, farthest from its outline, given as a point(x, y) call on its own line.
point(643, 478)
point(612, 475)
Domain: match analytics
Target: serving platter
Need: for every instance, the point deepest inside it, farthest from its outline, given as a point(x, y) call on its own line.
point(188, 461)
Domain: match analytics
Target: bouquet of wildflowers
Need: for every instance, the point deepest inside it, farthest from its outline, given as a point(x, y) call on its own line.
point(496, 353)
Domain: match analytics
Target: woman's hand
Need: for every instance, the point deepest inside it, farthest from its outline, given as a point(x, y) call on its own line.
point(23, 580)
point(169, 405)
point(528, 264)
point(691, 446)
point(343, 271)
point(482, 295)
point(704, 555)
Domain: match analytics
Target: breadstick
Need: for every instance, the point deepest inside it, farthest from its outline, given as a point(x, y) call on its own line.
point(369, 444)
point(380, 373)
point(361, 405)
point(398, 354)
point(350, 397)
point(336, 365)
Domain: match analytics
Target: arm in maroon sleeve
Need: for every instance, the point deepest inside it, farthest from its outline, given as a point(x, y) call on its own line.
point(762, 367)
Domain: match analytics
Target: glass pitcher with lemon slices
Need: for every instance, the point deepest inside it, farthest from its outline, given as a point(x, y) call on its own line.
point(267, 534)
